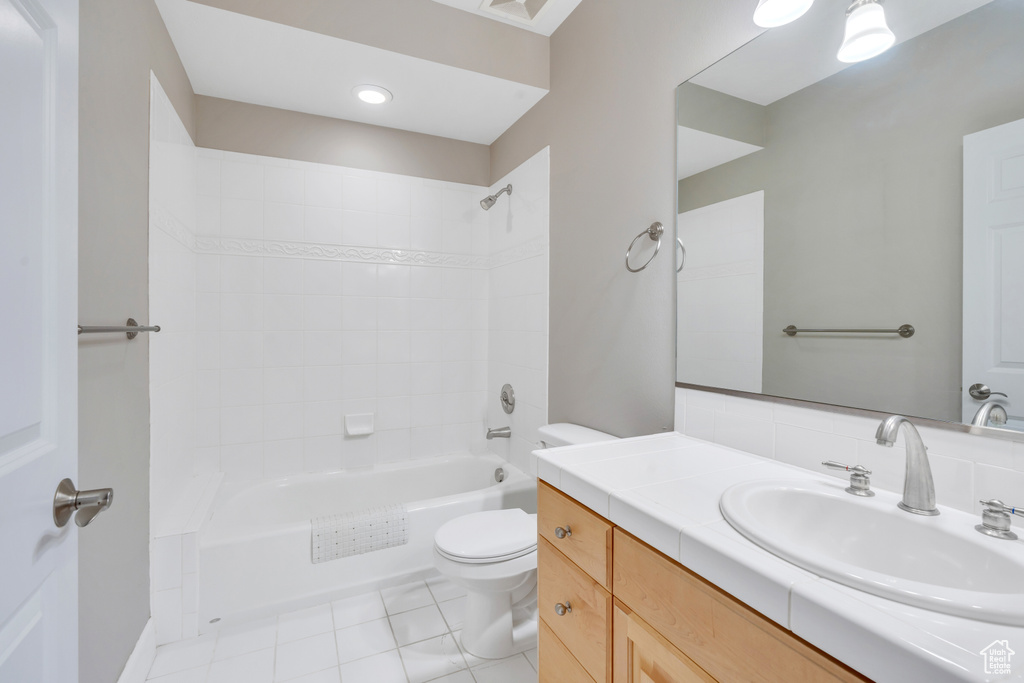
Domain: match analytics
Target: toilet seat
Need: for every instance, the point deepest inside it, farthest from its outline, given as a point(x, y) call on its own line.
point(487, 537)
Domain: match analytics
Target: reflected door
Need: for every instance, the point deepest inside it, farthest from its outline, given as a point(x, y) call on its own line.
point(993, 336)
point(38, 353)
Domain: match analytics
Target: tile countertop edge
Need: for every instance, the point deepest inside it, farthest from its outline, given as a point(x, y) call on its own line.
point(812, 608)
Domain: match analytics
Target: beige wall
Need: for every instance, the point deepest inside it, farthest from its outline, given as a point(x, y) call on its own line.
point(610, 121)
point(418, 28)
point(252, 129)
point(121, 40)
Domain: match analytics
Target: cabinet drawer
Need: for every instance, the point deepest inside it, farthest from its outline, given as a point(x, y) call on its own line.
point(585, 628)
point(720, 634)
point(588, 538)
point(557, 665)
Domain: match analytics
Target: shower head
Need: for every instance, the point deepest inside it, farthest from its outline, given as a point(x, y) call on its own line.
point(489, 201)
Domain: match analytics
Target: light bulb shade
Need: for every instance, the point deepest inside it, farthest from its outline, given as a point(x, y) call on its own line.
point(772, 13)
point(867, 34)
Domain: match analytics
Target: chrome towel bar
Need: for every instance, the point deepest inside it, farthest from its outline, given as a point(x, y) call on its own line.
point(905, 331)
point(130, 329)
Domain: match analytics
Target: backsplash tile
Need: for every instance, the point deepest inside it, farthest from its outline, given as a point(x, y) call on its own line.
point(965, 467)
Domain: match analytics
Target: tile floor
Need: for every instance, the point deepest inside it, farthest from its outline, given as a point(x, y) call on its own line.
point(406, 634)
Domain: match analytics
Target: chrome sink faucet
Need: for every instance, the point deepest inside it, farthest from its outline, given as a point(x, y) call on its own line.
point(918, 487)
point(990, 413)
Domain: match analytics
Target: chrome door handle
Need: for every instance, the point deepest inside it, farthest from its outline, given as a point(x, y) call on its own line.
point(67, 499)
point(562, 533)
point(981, 392)
point(563, 609)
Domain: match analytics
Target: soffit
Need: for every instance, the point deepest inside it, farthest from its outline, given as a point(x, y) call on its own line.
point(238, 57)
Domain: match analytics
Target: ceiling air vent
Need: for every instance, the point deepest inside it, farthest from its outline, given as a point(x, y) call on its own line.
point(520, 10)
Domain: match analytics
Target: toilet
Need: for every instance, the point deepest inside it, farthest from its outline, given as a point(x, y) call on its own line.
point(493, 556)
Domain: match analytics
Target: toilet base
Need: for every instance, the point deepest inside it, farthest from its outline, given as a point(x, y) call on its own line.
point(494, 629)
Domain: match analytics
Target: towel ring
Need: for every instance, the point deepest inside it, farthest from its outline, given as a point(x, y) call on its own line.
point(682, 250)
point(654, 232)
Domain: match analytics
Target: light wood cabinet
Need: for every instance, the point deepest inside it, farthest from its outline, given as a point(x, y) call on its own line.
point(660, 623)
point(586, 537)
point(642, 655)
point(584, 625)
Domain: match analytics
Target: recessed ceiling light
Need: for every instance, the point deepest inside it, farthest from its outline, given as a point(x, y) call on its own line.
point(372, 94)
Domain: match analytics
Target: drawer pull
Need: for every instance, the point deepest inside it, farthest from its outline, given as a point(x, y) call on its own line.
point(562, 533)
point(561, 610)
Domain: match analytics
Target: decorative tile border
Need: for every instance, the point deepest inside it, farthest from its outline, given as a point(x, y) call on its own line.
point(178, 231)
point(336, 252)
point(228, 246)
point(520, 252)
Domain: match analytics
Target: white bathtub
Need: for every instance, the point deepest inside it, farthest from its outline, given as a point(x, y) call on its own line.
point(254, 549)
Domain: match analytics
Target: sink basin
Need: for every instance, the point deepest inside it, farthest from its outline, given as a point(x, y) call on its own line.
point(939, 563)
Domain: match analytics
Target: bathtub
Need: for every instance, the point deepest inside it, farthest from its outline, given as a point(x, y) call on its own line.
point(254, 547)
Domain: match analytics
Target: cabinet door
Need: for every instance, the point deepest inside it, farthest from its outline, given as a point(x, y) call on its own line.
point(643, 656)
point(557, 665)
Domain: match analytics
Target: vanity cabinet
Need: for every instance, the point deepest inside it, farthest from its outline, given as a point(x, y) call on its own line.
point(640, 617)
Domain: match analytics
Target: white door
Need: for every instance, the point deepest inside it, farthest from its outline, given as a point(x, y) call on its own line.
point(38, 352)
point(994, 268)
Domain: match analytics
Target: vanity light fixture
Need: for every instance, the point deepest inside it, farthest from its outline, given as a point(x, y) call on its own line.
point(772, 13)
point(867, 34)
point(372, 94)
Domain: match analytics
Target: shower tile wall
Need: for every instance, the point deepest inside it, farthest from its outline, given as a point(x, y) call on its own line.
point(283, 309)
point(295, 331)
point(518, 303)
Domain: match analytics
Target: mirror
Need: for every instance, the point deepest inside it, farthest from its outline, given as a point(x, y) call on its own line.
point(857, 199)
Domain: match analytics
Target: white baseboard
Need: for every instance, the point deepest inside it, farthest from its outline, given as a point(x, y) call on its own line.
point(141, 660)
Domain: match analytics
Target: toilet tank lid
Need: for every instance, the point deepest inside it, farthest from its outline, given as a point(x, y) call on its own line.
point(567, 434)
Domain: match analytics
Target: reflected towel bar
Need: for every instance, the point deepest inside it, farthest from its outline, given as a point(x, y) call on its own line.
point(131, 329)
point(905, 331)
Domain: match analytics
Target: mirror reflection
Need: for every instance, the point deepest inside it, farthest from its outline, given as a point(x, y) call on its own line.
point(854, 200)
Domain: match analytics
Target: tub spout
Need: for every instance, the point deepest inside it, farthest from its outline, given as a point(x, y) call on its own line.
point(499, 433)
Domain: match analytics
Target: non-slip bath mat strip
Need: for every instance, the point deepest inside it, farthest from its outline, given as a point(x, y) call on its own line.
point(356, 533)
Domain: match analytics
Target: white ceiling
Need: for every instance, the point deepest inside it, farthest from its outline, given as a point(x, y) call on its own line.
point(237, 57)
point(787, 59)
point(547, 20)
point(697, 151)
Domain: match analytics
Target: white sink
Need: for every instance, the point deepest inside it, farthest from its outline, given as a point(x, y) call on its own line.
point(939, 563)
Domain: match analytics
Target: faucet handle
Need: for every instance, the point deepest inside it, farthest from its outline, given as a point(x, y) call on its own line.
point(858, 469)
point(995, 519)
point(996, 505)
point(860, 484)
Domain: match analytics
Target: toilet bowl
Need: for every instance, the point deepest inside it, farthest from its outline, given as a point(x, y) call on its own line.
point(493, 556)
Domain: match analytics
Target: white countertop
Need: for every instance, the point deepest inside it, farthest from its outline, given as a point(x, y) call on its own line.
point(664, 489)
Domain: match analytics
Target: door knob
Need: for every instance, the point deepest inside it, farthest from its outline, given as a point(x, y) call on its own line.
point(67, 499)
point(981, 392)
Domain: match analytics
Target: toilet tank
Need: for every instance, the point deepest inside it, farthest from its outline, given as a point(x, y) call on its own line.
point(566, 434)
